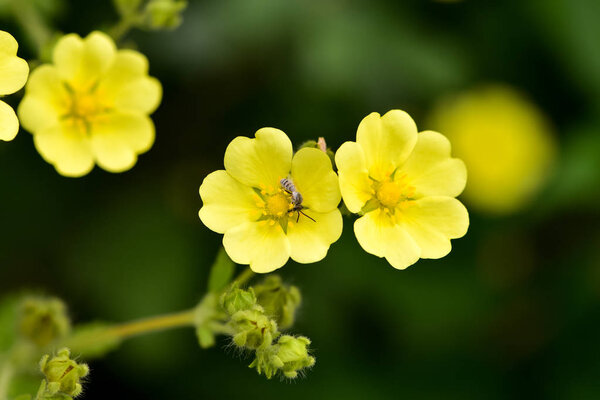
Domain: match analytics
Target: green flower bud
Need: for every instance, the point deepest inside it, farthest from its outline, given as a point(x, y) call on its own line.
point(63, 375)
point(43, 320)
point(164, 14)
point(127, 7)
point(237, 299)
point(252, 328)
point(279, 301)
point(292, 355)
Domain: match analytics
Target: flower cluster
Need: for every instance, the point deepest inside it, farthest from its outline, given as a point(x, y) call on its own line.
point(402, 184)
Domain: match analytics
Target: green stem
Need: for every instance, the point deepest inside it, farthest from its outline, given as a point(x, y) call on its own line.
point(243, 277)
point(32, 23)
point(153, 324)
point(122, 28)
point(6, 374)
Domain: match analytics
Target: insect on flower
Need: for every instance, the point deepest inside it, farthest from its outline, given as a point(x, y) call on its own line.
point(296, 198)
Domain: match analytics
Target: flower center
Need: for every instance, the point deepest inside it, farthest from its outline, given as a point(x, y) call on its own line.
point(82, 108)
point(389, 194)
point(278, 204)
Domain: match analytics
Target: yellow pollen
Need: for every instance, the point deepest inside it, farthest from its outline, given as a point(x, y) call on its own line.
point(278, 205)
point(389, 194)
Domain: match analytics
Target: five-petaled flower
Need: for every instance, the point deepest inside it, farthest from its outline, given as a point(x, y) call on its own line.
point(248, 204)
point(403, 183)
point(13, 75)
point(91, 106)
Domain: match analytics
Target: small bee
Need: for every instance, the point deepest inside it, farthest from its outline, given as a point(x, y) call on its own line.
point(297, 199)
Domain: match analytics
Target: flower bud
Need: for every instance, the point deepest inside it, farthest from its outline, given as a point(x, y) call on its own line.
point(43, 320)
point(237, 299)
point(292, 355)
point(279, 301)
point(127, 7)
point(252, 328)
point(63, 375)
point(164, 14)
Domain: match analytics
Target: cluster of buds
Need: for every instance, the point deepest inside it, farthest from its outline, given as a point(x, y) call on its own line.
point(255, 316)
point(43, 320)
point(154, 14)
point(63, 376)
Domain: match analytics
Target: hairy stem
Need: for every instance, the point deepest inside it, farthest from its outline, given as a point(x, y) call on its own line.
point(153, 324)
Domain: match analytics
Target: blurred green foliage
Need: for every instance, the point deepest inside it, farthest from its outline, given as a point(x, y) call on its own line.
point(512, 312)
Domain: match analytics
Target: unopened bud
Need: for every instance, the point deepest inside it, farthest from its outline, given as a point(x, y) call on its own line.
point(252, 328)
point(279, 301)
point(63, 375)
point(237, 299)
point(43, 320)
point(292, 355)
point(165, 14)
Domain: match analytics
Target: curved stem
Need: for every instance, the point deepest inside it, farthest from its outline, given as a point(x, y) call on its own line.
point(123, 27)
point(153, 324)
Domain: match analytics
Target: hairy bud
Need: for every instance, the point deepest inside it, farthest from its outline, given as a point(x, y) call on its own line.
point(63, 376)
point(279, 301)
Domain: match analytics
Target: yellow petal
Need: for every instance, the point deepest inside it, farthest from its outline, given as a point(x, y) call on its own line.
point(263, 161)
point(13, 70)
point(9, 124)
point(127, 85)
point(82, 62)
point(433, 221)
point(117, 139)
point(379, 236)
point(45, 99)
point(260, 244)
point(355, 184)
point(386, 141)
point(431, 170)
point(314, 178)
point(65, 148)
point(226, 202)
point(310, 240)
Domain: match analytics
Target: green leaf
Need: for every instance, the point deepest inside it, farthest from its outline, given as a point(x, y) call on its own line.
point(221, 272)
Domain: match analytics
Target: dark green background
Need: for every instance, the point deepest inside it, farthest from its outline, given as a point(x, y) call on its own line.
point(512, 312)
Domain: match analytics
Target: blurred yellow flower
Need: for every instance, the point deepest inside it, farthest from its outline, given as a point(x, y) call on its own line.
point(505, 141)
point(91, 106)
point(261, 221)
point(13, 75)
point(403, 183)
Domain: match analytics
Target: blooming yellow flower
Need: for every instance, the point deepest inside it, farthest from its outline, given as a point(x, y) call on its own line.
point(505, 141)
point(91, 106)
point(13, 75)
point(403, 183)
point(247, 203)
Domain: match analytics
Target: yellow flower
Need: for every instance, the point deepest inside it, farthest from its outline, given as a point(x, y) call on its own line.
point(91, 106)
point(247, 203)
point(13, 75)
point(505, 141)
point(403, 183)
